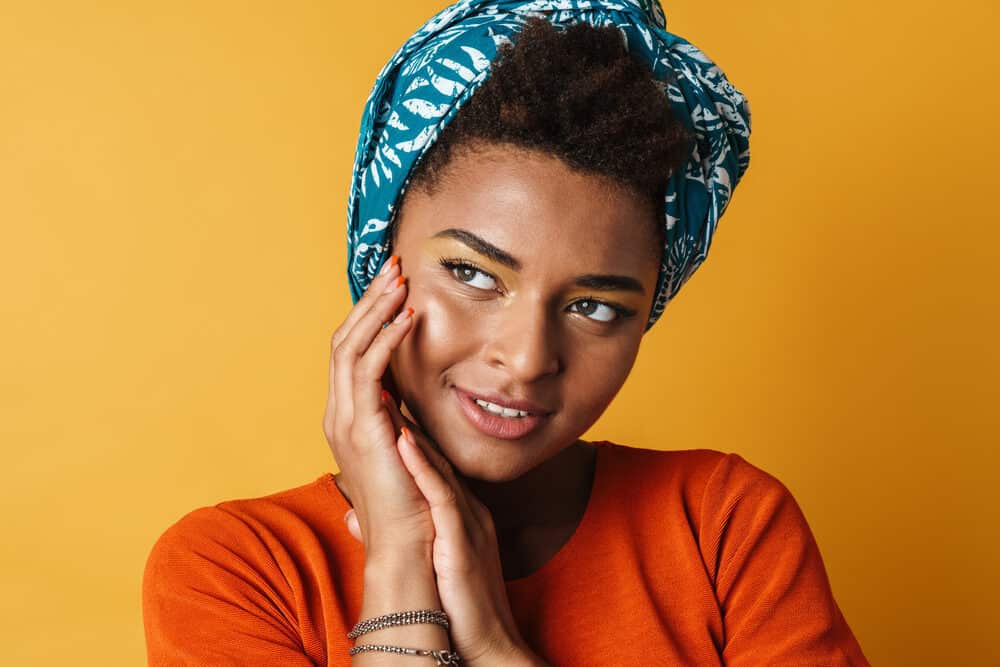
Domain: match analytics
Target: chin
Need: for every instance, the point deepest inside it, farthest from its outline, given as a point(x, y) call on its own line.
point(489, 462)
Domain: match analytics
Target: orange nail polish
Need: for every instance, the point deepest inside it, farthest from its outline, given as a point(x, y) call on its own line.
point(386, 267)
point(407, 434)
point(406, 314)
point(395, 284)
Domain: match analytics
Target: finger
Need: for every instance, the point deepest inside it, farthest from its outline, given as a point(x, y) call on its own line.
point(353, 525)
point(356, 344)
point(390, 272)
point(389, 384)
point(431, 450)
point(371, 366)
point(398, 421)
point(443, 499)
point(467, 501)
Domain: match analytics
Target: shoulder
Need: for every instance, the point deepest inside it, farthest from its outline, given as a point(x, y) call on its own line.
point(231, 581)
point(692, 466)
point(714, 487)
point(696, 471)
point(257, 531)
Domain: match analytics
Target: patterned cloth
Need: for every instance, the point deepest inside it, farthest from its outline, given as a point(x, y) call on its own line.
point(428, 79)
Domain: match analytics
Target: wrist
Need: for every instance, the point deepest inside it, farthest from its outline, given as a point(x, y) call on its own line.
point(393, 562)
point(401, 580)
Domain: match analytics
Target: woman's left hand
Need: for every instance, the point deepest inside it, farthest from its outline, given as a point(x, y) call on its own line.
point(466, 557)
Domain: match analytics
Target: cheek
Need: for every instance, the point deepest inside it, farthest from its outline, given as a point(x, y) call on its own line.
point(442, 335)
point(597, 376)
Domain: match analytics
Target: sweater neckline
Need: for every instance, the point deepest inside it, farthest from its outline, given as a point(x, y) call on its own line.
point(566, 552)
point(568, 548)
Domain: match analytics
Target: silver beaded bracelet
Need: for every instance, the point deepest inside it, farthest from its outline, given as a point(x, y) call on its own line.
point(399, 618)
point(441, 657)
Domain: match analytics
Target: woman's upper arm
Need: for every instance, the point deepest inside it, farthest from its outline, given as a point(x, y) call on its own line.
point(211, 594)
point(770, 580)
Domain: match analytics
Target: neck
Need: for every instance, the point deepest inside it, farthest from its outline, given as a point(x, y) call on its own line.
point(552, 494)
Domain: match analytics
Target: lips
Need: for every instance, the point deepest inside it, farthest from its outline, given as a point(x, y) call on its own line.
point(498, 425)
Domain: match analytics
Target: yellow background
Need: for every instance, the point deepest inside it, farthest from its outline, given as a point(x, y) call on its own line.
point(173, 180)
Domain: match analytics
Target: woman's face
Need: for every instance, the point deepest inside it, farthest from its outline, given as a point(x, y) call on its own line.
point(532, 285)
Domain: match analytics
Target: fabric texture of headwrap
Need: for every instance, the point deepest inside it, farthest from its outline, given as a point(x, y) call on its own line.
point(437, 70)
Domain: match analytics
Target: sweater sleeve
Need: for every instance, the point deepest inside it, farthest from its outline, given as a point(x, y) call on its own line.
point(777, 604)
point(212, 594)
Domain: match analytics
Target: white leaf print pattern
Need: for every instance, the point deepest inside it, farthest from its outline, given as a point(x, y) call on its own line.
point(373, 226)
point(425, 109)
point(391, 156)
point(395, 123)
point(446, 86)
point(479, 61)
point(417, 142)
point(418, 82)
point(459, 69)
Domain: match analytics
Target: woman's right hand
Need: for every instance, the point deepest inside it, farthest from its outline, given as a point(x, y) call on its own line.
point(361, 427)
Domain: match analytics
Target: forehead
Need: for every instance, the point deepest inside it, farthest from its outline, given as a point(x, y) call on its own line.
point(538, 209)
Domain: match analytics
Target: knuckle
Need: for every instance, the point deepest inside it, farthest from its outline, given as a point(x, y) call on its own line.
point(342, 354)
point(341, 435)
point(363, 371)
point(448, 497)
point(363, 433)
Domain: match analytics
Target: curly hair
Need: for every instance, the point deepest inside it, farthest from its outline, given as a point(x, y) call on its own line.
point(577, 94)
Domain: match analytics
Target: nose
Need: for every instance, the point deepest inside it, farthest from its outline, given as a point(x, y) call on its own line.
point(523, 341)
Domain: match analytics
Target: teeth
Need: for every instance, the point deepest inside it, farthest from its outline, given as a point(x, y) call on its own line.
point(498, 410)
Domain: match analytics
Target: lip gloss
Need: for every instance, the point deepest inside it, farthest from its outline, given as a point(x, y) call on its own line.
point(505, 428)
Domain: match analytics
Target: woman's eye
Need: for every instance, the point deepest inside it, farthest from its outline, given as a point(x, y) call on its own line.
point(473, 277)
point(595, 310)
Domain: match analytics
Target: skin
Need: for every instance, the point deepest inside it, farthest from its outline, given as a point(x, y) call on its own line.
point(521, 332)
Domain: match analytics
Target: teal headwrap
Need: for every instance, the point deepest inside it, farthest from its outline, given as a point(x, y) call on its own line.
point(425, 83)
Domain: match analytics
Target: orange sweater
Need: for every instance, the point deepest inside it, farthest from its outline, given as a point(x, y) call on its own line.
point(682, 558)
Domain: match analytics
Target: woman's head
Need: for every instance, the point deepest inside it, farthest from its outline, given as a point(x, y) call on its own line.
point(531, 237)
point(545, 207)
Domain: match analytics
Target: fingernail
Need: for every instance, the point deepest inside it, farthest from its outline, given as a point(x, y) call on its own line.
point(346, 514)
point(392, 261)
point(407, 434)
point(395, 284)
point(385, 396)
point(404, 315)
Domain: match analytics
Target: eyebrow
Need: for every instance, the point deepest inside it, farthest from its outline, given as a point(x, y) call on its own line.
point(606, 283)
point(481, 246)
point(610, 283)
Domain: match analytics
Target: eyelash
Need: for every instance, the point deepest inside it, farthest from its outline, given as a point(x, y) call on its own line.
point(621, 312)
point(451, 264)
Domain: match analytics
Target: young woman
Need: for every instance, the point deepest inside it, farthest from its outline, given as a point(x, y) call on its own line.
point(530, 191)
